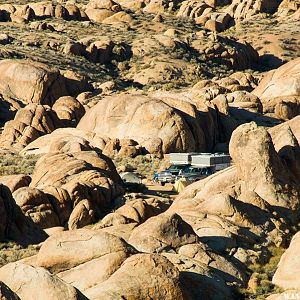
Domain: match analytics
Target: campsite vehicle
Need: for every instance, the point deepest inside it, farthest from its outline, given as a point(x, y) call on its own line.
point(168, 175)
point(191, 173)
point(192, 166)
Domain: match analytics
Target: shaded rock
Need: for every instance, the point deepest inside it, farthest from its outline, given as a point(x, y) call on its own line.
point(36, 205)
point(82, 214)
point(6, 293)
point(14, 182)
point(69, 110)
point(14, 224)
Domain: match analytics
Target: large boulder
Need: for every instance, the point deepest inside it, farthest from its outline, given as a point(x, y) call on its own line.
point(26, 280)
point(69, 249)
point(288, 266)
point(159, 126)
point(142, 276)
point(32, 82)
point(69, 178)
point(36, 205)
point(69, 110)
point(14, 224)
point(161, 233)
point(30, 122)
point(279, 90)
point(278, 188)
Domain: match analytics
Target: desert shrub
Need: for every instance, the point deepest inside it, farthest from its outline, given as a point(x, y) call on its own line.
point(11, 252)
point(264, 274)
point(143, 164)
point(11, 163)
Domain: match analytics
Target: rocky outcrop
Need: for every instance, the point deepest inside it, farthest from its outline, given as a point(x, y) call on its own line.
point(40, 84)
point(14, 224)
point(279, 91)
point(62, 180)
point(205, 14)
point(155, 124)
point(260, 194)
point(36, 205)
point(288, 266)
point(23, 279)
point(245, 9)
point(30, 122)
point(161, 233)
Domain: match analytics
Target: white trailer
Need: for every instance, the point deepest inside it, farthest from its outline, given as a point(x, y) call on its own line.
point(218, 161)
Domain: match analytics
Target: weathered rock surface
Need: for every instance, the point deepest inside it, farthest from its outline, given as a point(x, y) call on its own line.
point(25, 280)
point(14, 224)
point(279, 91)
point(14, 182)
point(73, 248)
point(161, 233)
point(142, 276)
point(36, 205)
point(154, 124)
point(65, 180)
point(30, 122)
point(289, 265)
point(31, 82)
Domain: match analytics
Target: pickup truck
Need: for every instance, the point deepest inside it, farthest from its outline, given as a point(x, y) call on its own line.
point(192, 173)
point(168, 175)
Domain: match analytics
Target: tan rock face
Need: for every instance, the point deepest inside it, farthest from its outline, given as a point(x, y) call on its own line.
point(142, 276)
point(30, 122)
point(32, 82)
point(36, 205)
point(14, 182)
point(162, 232)
point(263, 173)
point(68, 179)
point(82, 214)
point(71, 248)
point(24, 279)
point(69, 110)
point(279, 90)
point(154, 124)
point(36, 80)
point(289, 265)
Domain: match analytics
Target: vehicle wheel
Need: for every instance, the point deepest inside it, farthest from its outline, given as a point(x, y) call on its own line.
point(162, 183)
